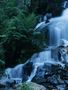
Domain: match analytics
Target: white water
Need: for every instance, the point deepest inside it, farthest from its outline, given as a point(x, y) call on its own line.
point(41, 26)
point(15, 72)
point(43, 58)
point(58, 28)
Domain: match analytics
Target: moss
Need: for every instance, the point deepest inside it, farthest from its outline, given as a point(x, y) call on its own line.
point(26, 86)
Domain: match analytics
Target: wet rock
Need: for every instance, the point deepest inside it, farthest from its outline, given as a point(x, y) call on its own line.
point(51, 76)
point(61, 52)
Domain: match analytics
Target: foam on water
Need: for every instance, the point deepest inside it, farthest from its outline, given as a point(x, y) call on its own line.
point(15, 72)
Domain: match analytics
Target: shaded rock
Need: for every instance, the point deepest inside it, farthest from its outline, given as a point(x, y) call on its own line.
point(64, 74)
point(43, 6)
point(2, 86)
point(27, 69)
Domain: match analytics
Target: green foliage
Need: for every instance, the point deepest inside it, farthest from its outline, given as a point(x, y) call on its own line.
point(26, 87)
point(18, 38)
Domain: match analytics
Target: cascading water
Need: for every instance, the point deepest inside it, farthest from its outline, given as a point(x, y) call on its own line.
point(58, 28)
point(57, 31)
point(43, 58)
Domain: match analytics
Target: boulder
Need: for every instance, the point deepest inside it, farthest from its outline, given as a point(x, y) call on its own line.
point(32, 86)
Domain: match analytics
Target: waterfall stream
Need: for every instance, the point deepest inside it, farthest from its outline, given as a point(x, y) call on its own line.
point(58, 30)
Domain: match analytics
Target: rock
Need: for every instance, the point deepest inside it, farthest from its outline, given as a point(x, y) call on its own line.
point(64, 73)
point(24, 86)
point(41, 6)
point(50, 75)
point(27, 69)
point(32, 86)
point(2, 86)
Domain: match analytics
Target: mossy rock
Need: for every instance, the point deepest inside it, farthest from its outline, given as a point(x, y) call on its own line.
point(32, 86)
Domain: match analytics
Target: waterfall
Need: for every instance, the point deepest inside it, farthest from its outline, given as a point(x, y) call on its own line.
point(58, 30)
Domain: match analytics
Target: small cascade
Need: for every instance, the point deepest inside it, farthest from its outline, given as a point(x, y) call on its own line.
point(14, 72)
point(57, 28)
point(39, 61)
